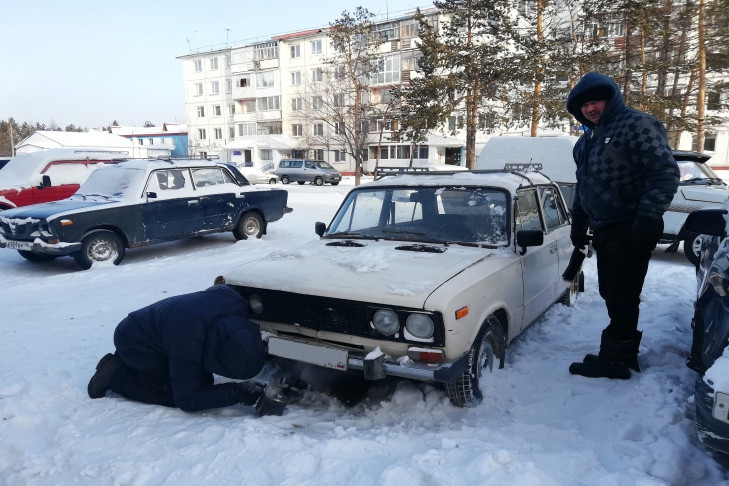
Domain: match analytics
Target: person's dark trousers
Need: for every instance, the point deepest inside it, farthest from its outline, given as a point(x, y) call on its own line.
point(147, 385)
point(621, 271)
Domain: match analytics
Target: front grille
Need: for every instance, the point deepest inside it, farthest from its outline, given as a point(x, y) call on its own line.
point(19, 229)
point(328, 314)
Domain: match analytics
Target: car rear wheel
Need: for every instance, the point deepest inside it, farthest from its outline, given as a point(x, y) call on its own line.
point(98, 247)
point(250, 225)
point(36, 257)
point(285, 179)
point(468, 389)
point(319, 181)
point(692, 247)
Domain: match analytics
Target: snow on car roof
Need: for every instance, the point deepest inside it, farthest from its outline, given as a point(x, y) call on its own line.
point(152, 164)
point(508, 180)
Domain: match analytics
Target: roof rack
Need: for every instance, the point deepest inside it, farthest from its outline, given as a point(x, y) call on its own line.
point(523, 167)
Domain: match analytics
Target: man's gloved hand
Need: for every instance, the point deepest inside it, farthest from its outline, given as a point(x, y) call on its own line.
point(579, 236)
point(646, 232)
point(247, 392)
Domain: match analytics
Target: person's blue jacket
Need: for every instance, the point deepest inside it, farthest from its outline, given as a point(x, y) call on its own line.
point(625, 167)
point(195, 335)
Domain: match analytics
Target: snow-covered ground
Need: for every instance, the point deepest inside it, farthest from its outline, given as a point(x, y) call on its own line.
point(538, 426)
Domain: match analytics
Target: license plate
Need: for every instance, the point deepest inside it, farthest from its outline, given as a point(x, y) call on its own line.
point(308, 353)
point(721, 407)
point(19, 245)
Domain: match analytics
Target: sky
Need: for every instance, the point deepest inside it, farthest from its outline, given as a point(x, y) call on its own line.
point(537, 426)
point(88, 63)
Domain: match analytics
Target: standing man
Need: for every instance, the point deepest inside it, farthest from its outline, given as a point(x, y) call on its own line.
point(626, 178)
point(166, 353)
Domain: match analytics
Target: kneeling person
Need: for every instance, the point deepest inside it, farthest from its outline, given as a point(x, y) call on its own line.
point(167, 352)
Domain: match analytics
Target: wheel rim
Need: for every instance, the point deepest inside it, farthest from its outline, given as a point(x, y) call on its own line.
point(319, 181)
point(101, 250)
point(485, 357)
point(696, 245)
point(251, 227)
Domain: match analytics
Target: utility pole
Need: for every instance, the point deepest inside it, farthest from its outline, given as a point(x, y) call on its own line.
point(701, 96)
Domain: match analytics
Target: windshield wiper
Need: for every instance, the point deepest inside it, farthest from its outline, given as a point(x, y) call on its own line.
point(696, 179)
point(350, 234)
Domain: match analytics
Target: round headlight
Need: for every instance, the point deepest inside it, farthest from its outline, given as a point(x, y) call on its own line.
point(255, 304)
point(420, 325)
point(386, 322)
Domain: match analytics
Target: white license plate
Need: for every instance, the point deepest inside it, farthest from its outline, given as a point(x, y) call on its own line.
point(308, 353)
point(721, 407)
point(19, 245)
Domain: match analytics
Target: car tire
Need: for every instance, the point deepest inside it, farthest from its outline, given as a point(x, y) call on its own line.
point(272, 181)
point(36, 257)
point(334, 183)
point(285, 179)
point(319, 181)
point(467, 390)
point(98, 247)
point(301, 183)
point(692, 247)
point(250, 225)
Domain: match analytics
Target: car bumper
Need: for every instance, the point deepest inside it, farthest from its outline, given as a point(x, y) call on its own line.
point(39, 246)
point(332, 178)
point(373, 365)
point(712, 416)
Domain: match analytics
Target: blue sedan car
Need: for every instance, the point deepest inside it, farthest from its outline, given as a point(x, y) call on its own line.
point(138, 203)
point(711, 330)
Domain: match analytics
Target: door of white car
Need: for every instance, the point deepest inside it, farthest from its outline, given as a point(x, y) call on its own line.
point(540, 264)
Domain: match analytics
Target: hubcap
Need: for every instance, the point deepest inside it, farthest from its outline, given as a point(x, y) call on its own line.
point(251, 227)
point(102, 250)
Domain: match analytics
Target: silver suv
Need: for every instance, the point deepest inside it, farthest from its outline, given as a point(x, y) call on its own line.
point(303, 170)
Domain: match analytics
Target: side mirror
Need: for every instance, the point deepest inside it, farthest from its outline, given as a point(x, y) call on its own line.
point(707, 222)
point(527, 238)
point(320, 228)
point(151, 195)
point(45, 182)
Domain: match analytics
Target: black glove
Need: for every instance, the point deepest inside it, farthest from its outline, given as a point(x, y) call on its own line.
point(579, 236)
point(247, 392)
point(646, 232)
point(273, 402)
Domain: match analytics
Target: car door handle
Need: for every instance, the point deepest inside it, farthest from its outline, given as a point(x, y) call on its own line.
point(553, 249)
point(193, 202)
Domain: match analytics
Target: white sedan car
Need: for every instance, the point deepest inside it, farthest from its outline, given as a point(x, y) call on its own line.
point(257, 176)
point(423, 276)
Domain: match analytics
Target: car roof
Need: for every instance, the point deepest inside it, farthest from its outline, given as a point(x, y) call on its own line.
point(496, 178)
point(154, 164)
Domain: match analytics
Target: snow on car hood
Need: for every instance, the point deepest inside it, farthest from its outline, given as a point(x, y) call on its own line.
point(54, 208)
point(376, 272)
point(717, 194)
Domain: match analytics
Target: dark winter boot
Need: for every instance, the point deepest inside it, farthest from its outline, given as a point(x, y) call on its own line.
point(632, 361)
point(611, 362)
point(101, 380)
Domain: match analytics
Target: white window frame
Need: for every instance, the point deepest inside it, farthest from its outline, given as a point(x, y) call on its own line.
point(266, 79)
point(295, 78)
point(297, 130)
point(297, 104)
point(315, 46)
point(215, 87)
point(317, 129)
point(268, 103)
point(201, 134)
point(216, 110)
point(201, 112)
point(197, 63)
point(198, 89)
point(295, 51)
point(218, 133)
point(213, 63)
point(317, 75)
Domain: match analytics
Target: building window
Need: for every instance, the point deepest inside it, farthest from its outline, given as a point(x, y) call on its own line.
point(141, 141)
point(318, 154)
point(227, 60)
point(340, 156)
point(388, 70)
point(231, 109)
point(265, 80)
point(243, 82)
point(268, 103)
point(316, 47)
point(246, 129)
point(408, 28)
point(269, 128)
point(338, 99)
point(317, 102)
point(218, 133)
point(339, 128)
point(296, 51)
point(713, 100)
point(215, 87)
point(387, 31)
point(318, 129)
point(709, 142)
point(249, 106)
point(266, 154)
point(295, 78)
point(297, 130)
point(201, 134)
point(213, 64)
point(231, 132)
point(228, 85)
point(455, 122)
point(198, 65)
point(317, 74)
point(266, 50)
point(198, 89)
point(216, 110)
point(297, 104)
point(201, 112)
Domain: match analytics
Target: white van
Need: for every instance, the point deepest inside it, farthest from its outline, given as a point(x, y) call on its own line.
point(699, 186)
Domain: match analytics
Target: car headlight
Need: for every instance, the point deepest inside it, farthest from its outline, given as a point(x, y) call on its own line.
point(255, 304)
point(420, 325)
point(386, 322)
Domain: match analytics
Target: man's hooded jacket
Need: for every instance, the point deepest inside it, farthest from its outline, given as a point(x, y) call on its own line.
point(194, 336)
point(625, 167)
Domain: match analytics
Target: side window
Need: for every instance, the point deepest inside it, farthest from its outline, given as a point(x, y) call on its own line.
point(554, 214)
point(527, 211)
point(296, 164)
point(166, 183)
point(210, 176)
point(310, 165)
point(284, 164)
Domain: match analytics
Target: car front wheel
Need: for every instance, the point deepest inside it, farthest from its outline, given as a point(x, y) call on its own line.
point(468, 389)
point(692, 248)
point(250, 225)
point(98, 247)
point(272, 181)
point(285, 179)
point(319, 181)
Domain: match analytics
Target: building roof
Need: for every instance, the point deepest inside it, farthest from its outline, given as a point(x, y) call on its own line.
point(48, 139)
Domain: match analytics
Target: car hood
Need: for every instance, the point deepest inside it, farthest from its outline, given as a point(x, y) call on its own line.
point(49, 209)
point(378, 269)
point(717, 193)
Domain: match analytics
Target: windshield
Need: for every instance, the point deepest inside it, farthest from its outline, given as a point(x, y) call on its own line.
point(693, 172)
point(323, 164)
point(114, 182)
point(470, 215)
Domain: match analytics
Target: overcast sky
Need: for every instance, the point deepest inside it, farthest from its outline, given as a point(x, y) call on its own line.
point(89, 63)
